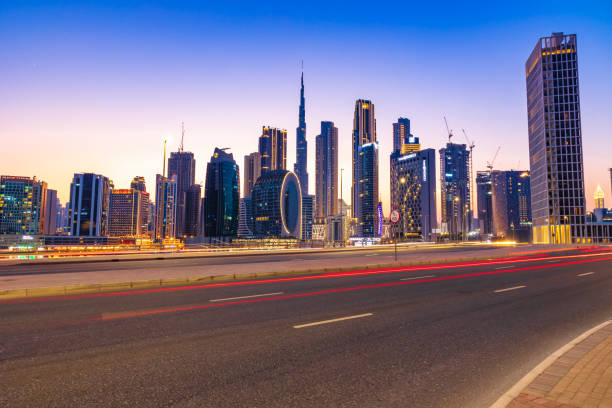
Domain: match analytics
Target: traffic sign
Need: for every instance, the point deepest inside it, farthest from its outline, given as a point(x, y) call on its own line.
point(395, 216)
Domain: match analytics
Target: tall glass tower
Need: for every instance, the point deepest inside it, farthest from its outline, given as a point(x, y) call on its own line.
point(455, 190)
point(301, 146)
point(222, 195)
point(364, 133)
point(326, 175)
point(555, 141)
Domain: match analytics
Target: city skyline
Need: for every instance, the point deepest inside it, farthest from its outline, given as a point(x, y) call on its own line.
point(83, 111)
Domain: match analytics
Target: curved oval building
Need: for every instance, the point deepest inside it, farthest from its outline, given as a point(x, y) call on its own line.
point(277, 205)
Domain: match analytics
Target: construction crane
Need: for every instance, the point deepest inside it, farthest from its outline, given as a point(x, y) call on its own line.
point(471, 146)
point(450, 132)
point(490, 163)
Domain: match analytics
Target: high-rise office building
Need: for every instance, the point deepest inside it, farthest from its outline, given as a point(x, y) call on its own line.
point(368, 217)
point(165, 208)
point(191, 212)
point(485, 205)
point(599, 197)
point(49, 225)
point(252, 171)
point(326, 175)
point(22, 205)
point(455, 190)
point(301, 147)
point(181, 167)
point(273, 149)
point(89, 204)
point(611, 181)
point(555, 141)
point(146, 218)
point(126, 217)
point(277, 205)
point(364, 189)
point(413, 194)
point(308, 204)
point(222, 192)
point(511, 201)
point(404, 141)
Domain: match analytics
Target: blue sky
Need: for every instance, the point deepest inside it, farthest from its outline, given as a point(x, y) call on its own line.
point(97, 86)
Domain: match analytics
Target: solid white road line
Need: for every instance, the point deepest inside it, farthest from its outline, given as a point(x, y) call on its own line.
point(506, 267)
point(507, 289)
point(515, 391)
point(246, 297)
point(299, 326)
point(585, 274)
point(419, 277)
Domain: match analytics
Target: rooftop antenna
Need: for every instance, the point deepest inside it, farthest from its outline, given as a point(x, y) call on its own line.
point(450, 132)
point(164, 163)
point(182, 146)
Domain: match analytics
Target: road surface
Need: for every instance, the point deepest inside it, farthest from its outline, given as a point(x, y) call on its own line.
point(430, 336)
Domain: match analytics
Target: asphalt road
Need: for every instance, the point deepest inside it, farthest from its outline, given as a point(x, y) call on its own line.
point(440, 336)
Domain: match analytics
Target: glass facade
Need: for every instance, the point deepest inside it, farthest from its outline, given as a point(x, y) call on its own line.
point(277, 205)
point(222, 192)
point(181, 167)
point(555, 141)
point(252, 171)
point(165, 208)
point(326, 171)
point(273, 149)
point(511, 201)
point(455, 190)
point(22, 205)
point(89, 205)
point(364, 132)
point(301, 146)
point(367, 188)
point(308, 203)
point(413, 194)
point(483, 196)
point(126, 218)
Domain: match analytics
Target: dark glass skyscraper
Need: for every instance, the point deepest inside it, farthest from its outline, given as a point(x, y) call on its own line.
point(555, 141)
point(222, 195)
point(455, 190)
point(364, 188)
point(404, 141)
point(89, 204)
point(273, 149)
point(511, 202)
point(181, 167)
point(277, 205)
point(485, 209)
point(301, 146)
point(368, 223)
point(326, 174)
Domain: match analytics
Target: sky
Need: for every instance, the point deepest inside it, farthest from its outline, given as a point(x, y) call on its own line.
point(97, 86)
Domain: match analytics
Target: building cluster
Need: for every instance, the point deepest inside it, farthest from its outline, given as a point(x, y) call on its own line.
point(545, 204)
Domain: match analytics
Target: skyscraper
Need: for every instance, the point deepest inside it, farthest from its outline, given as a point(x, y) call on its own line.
point(363, 203)
point(403, 141)
point(252, 171)
point(308, 203)
point(126, 213)
point(413, 193)
point(368, 215)
point(49, 225)
point(192, 214)
point(222, 194)
point(273, 149)
point(165, 208)
point(483, 197)
point(181, 168)
point(511, 202)
point(22, 205)
point(326, 174)
point(555, 141)
point(301, 146)
point(455, 190)
point(89, 204)
point(138, 183)
point(277, 205)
